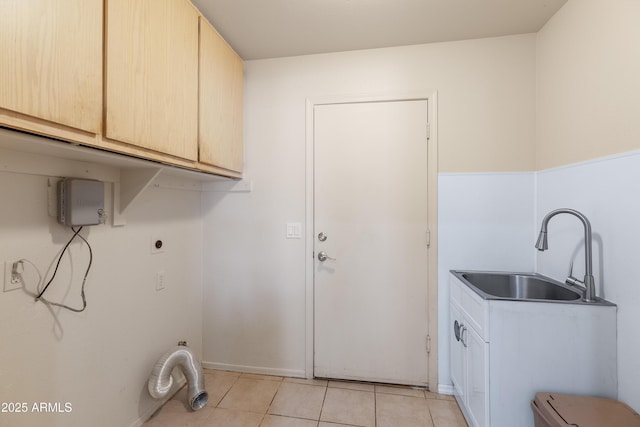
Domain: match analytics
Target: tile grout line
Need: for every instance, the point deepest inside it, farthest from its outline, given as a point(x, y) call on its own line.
point(324, 399)
point(433, 422)
point(227, 392)
point(375, 407)
point(273, 398)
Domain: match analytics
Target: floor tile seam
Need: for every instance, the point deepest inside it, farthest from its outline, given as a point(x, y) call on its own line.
point(303, 384)
point(247, 410)
point(345, 423)
point(204, 420)
point(324, 399)
point(260, 377)
point(375, 407)
point(297, 417)
point(444, 396)
point(226, 393)
point(403, 395)
point(433, 422)
point(294, 416)
point(336, 385)
point(352, 389)
point(342, 424)
point(262, 419)
point(270, 402)
point(401, 387)
point(296, 380)
point(242, 410)
point(273, 398)
point(357, 391)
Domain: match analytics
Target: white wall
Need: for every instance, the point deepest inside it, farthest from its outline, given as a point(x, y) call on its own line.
point(485, 222)
point(605, 191)
point(254, 287)
point(98, 360)
point(587, 67)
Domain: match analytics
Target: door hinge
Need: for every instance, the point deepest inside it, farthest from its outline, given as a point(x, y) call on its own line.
point(428, 344)
point(428, 238)
point(428, 131)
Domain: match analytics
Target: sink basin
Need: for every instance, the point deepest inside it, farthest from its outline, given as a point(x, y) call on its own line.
point(520, 286)
point(517, 286)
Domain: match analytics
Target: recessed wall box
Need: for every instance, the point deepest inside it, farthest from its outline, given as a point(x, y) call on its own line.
point(80, 202)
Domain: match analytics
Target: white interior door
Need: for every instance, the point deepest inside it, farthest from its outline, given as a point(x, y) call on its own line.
point(370, 203)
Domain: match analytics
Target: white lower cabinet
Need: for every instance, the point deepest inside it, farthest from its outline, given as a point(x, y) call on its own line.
point(506, 351)
point(469, 357)
point(477, 381)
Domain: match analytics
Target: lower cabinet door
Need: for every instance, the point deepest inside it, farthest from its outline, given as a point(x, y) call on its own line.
point(477, 377)
point(457, 352)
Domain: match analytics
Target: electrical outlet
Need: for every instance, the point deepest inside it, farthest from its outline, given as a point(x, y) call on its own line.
point(160, 280)
point(11, 281)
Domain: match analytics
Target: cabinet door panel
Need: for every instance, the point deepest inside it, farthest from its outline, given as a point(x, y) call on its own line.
point(477, 371)
point(457, 354)
point(221, 85)
point(51, 65)
point(152, 75)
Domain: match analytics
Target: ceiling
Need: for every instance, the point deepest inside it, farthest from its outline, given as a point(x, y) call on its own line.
point(259, 29)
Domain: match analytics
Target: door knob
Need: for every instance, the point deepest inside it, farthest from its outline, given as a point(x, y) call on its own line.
point(322, 257)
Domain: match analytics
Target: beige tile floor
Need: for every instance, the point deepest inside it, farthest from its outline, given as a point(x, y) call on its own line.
point(247, 400)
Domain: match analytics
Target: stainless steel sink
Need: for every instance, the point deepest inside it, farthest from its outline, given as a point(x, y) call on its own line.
point(522, 287)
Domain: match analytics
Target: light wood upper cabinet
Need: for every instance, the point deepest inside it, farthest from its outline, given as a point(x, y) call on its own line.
point(152, 75)
point(51, 61)
point(220, 113)
point(147, 78)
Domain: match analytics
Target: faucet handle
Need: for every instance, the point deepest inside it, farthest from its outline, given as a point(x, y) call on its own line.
point(573, 281)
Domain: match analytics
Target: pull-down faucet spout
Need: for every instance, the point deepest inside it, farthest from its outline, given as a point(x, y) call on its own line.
point(542, 245)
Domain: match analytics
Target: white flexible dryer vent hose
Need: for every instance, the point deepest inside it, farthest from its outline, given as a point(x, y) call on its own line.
point(160, 381)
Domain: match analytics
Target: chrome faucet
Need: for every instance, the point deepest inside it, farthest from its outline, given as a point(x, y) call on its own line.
point(542, 245)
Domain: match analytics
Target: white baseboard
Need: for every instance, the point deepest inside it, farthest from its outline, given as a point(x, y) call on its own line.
point(445, 389)
point(295, 373)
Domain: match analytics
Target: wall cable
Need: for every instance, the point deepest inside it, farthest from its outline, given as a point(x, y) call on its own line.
point(76, 233)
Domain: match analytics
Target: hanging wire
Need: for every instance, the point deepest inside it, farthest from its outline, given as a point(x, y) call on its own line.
point(76, 233)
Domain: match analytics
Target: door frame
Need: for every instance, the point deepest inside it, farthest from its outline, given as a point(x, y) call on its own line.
point(431, 96)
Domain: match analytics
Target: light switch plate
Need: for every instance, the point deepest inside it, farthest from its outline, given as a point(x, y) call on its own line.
point(294, 230)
